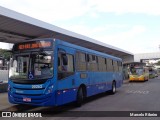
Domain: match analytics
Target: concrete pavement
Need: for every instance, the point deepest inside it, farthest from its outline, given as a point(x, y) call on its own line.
point(135, 96)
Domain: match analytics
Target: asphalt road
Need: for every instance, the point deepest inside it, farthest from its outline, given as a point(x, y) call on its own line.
point(135, 96)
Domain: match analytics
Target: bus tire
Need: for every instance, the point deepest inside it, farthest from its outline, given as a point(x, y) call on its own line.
point(113, 91)
point(80, 97)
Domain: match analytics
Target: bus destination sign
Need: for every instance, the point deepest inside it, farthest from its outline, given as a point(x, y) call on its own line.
point(33, 45)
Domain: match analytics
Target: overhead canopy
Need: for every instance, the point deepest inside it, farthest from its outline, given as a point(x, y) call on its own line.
point(16, 27)
point(147, 56)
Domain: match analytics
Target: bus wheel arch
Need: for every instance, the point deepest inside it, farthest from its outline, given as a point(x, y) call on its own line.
point(84, 89)
point(81, 94)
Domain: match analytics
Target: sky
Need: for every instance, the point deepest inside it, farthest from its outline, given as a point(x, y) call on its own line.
point(132, 25)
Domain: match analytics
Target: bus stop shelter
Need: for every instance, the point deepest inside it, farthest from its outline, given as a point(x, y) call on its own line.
point(16, 27)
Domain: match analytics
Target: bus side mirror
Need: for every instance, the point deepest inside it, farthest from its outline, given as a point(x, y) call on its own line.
point(65, 59)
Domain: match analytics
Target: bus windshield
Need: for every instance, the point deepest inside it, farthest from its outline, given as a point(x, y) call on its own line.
point(34, 65)
point(137, 71)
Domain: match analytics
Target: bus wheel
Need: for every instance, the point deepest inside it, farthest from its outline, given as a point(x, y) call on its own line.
point(80, 97)
point(113, 91)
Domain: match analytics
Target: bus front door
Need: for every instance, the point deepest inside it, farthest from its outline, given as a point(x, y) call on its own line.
point(66, 76)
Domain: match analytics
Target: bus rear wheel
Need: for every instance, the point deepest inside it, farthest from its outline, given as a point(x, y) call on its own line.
point(80, 97)
point(113, 91)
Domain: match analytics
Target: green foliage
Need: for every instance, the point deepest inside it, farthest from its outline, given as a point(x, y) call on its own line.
point(151, 76)
point(5, 54)
point(158, 63)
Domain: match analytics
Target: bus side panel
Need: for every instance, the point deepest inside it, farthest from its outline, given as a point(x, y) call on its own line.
point(109, 79)
point(99, 82)
point(65, 92)
point(96, 83)
point(66, 95)
point(91, 84)
point(82, 77)
point(119, 79)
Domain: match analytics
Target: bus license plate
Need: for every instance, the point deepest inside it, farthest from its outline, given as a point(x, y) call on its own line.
point(27, 99)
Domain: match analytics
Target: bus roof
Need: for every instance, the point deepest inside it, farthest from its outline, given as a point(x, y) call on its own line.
point(93, 52)
point(15, 27)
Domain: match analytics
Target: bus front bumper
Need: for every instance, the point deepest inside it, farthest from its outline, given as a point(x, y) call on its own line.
point(41, 100)
point(141, 78)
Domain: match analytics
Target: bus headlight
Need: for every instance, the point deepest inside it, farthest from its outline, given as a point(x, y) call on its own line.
point(50, 89)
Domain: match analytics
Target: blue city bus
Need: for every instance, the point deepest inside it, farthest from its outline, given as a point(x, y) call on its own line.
point(52, 72)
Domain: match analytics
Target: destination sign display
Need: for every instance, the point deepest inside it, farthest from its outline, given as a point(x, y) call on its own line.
point(33, 45)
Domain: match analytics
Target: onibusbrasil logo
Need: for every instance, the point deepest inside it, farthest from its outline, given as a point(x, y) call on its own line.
point(21, 115)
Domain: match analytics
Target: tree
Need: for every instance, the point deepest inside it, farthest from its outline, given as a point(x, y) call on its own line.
point(5, 54)
point(158, 63)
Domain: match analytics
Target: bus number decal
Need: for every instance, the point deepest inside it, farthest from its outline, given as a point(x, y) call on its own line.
point(36, 86)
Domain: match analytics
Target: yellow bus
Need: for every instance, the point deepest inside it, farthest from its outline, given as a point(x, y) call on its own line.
point(139, 74)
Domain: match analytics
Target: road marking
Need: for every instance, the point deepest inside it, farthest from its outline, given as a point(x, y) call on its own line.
point(133, 84)
point(137, 92)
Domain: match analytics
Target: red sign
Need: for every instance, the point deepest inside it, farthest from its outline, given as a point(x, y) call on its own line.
point(34, 45)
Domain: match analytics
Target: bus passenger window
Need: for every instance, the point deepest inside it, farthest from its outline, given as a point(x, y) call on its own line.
point(81, 64)
point(101, 64)
point(120, 66)
point(93, 63)
point(65, 65)
point(109, 65)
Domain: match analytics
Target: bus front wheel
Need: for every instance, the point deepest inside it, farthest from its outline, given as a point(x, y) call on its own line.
point(80, 97)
